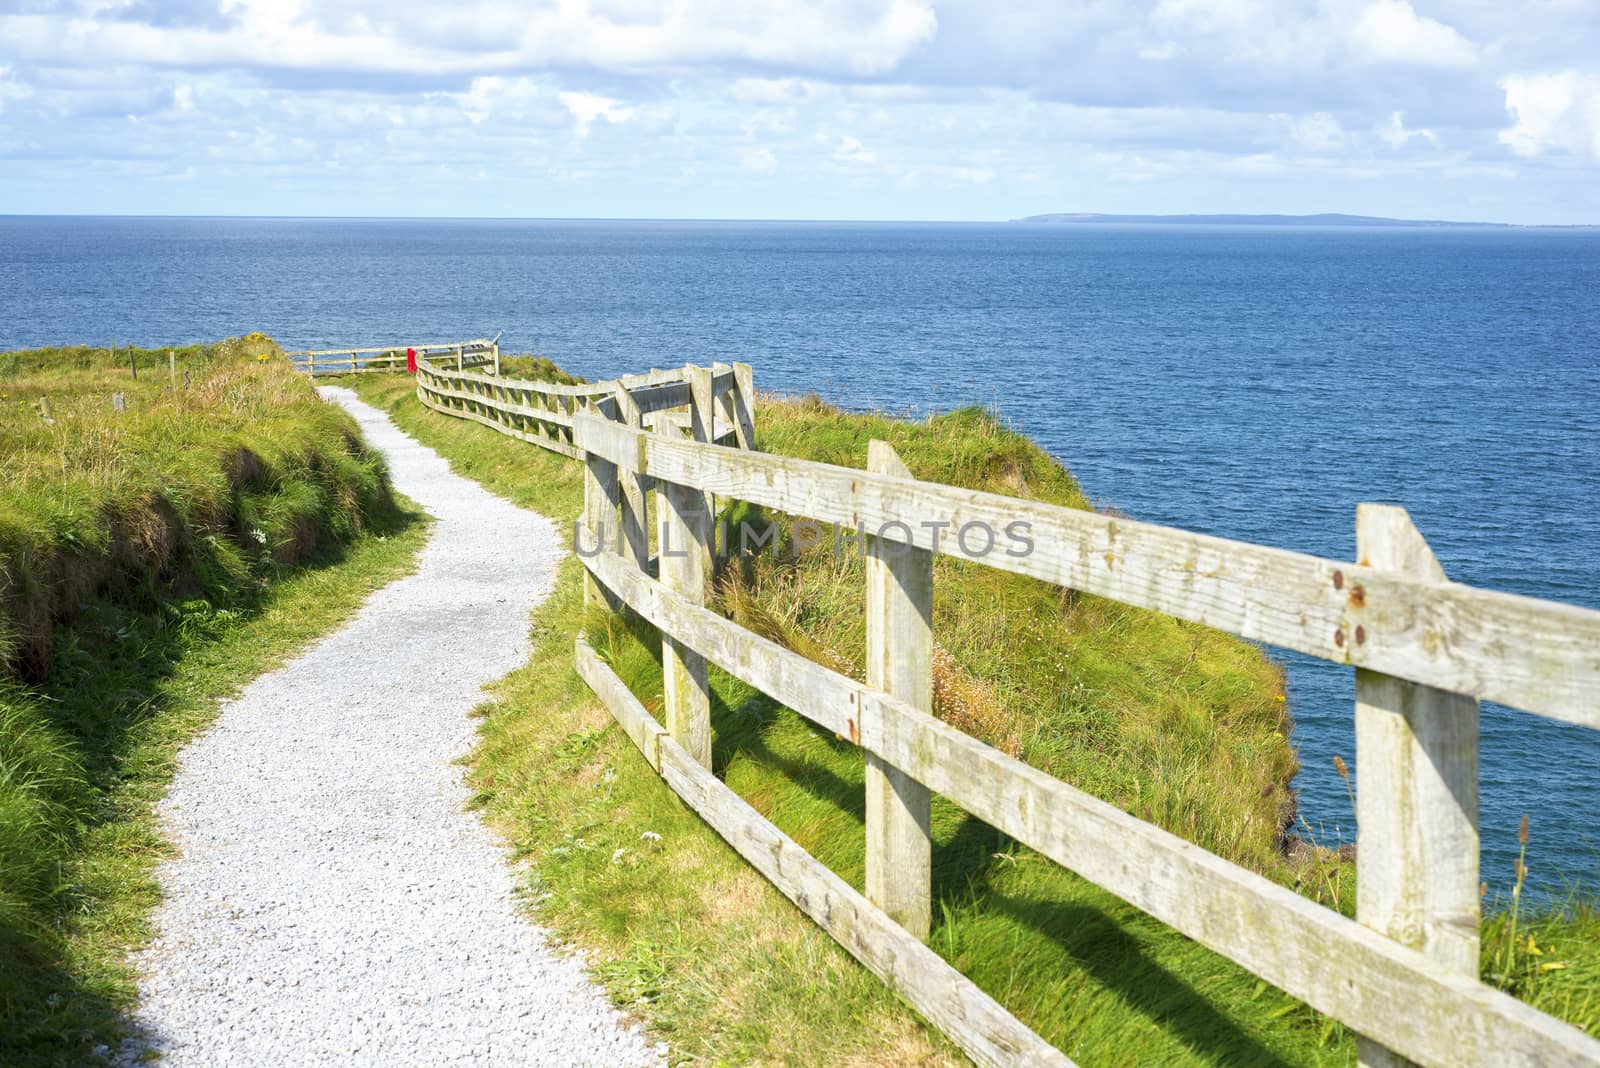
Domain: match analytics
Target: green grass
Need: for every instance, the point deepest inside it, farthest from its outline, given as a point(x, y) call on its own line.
point(535, 369)
point(1173, 722)
point(151, 561)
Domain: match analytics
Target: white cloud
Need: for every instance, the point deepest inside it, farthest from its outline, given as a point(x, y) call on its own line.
point(837, 37)
point(10, 88)
point(1162, 52)
point(587, 108)
point(1391, 31)
point(1396, 135)
point(852, 153)
point(489, 95)
point(1319, 132)
point(753, 160)
point(773, 90)
point(1553, 113)
point(968, 175)
point(1296, 34)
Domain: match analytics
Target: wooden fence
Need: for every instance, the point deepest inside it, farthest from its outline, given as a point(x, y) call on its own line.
point(1403, 975)
point(461, 354)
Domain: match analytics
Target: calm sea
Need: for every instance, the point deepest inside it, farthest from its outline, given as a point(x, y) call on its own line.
point(1247, 383)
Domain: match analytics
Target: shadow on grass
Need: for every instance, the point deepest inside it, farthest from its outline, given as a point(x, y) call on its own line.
point(110, 696)
point(968, 859)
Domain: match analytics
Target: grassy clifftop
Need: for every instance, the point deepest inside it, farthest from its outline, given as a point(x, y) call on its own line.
point(1176, 723)
point(151, 558)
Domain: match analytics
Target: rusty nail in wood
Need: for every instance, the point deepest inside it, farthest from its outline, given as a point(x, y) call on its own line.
point(1361, 635)
point(1338, 636)
point(1338, 580)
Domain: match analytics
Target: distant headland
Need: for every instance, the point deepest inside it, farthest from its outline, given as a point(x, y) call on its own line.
point(1325, 220)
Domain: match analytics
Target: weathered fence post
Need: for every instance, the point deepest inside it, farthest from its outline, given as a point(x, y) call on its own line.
point(133, 363)
point(461, 357)
point(311, 365)
point(899, 662)
point(352, 363)
point(744, 405)
point(1417, 786)
point(494, 348)
point(600, 495)
point(635, 526)
point(45, 411)
point(172, 368)
point(685, 544)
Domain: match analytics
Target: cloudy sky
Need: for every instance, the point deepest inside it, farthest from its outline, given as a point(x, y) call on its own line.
point(845, 109)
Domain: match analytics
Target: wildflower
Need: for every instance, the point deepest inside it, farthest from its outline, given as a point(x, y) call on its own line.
point(618, 854)
point(650, 836)
point(259, 535)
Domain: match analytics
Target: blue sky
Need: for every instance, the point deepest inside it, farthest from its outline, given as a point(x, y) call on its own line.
point(842, 109)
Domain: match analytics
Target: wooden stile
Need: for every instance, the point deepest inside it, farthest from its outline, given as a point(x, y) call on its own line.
point(899, 662)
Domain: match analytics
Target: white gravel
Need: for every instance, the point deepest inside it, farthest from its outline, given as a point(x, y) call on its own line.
point(333, 902)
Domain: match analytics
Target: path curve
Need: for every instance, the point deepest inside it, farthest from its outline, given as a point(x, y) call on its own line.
point(332, 901)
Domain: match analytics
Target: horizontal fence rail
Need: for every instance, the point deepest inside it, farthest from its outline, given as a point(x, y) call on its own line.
point(1403, 974)
point(392, 358)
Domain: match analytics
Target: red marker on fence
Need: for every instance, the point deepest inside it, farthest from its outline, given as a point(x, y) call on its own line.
point(411, 361)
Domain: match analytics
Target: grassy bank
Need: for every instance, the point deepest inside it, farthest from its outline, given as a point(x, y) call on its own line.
point(151, 560)
point(1178, 724)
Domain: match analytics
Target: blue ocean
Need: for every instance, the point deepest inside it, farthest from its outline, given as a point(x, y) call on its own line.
point(1249, 383)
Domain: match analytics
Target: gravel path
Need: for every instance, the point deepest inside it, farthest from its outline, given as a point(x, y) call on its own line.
point(333, 902)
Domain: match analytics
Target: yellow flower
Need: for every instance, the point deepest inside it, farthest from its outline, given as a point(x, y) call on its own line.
point(1554, 966)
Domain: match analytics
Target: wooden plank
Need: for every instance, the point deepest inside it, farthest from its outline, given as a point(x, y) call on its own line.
point(639, 725)
point(509, 406)
point(978, 1024)
point(685, 563)
point(1417, 780)
point(601, 497)
point(899, 855)
point(635, 522)
point(764, 664)
point(554, 446)
point(550, 389)
point(726, 432)
point(448, 345)
point(1536, 655)
point(744, 408)
point(1387, 991)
